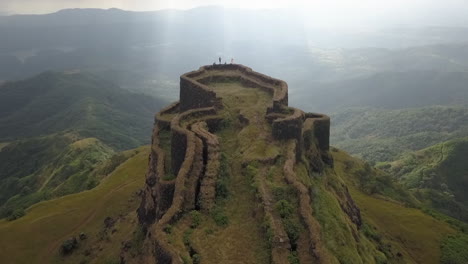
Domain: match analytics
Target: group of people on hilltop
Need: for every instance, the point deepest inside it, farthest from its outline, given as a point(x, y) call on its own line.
point(219, 59)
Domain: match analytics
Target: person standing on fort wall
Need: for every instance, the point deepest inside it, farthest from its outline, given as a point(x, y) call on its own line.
point(219, 60)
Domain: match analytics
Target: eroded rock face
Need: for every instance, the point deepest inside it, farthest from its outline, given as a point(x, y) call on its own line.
point(189, 181)
point(350, 208)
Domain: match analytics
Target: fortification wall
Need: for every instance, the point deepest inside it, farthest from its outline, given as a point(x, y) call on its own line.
point(280, 97)
point(176, 208)
point(320, 129)
point(163, 118)
point(212, 158)
point(195, 94)
point(151, 205)
point(289, 127)
point(280, 243)
point(315, 247)
point(179, 135)
point(186, 182)
point(193, 179)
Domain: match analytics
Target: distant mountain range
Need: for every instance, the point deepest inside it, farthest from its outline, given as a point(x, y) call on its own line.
point(162, 44)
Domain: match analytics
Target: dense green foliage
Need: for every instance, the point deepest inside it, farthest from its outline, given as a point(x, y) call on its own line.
point(62, 130)
point(454, 250)
point(45, 167)
point(382, 135)
point(54, 102)
point(437, 175)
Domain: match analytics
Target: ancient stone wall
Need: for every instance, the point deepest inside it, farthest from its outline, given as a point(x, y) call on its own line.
point(315, 247)
point(150, 207)
point(195, 95)
point(179, 135)
point(161, 117)
point(280, 97)
point(212, 157)
point(320, 129)
point(289, 126)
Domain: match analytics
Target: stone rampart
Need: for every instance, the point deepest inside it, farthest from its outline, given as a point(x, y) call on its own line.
point(320, 129)
point(212, 156)
point(280, 97)
point(163, 118)
point(315, 247)
point(289, 126)
point(152, 206)
point(195, 94)
point(179, 135)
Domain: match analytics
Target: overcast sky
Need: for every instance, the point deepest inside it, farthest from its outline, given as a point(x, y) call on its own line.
point(417, 12)
point(48, 6)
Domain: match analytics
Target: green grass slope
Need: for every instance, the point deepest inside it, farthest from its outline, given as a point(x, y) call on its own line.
point(38, 236)
point(43, 168)
point(437, 175)
point(396, 226)
point(53, 102)
point(382, 135)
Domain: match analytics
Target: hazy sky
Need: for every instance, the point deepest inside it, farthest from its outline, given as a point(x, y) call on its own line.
point(363, 6)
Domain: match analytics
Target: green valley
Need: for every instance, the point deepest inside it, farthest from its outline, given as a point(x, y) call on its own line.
point(437, 175)
point(75, 102)
point(384, 135)
point(62, 133)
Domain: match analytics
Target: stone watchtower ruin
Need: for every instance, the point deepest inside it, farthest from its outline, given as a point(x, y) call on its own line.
point(184, 163)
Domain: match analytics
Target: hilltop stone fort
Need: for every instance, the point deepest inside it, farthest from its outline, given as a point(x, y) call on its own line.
point(230, 112)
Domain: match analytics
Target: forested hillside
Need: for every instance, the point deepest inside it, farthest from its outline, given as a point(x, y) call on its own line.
point(437, 175)
point(384, 135)
point(85, 104)
point(61, 133)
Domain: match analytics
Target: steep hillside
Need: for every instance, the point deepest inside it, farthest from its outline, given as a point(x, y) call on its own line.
point(54, 102)
point(382, 135)
point(41, 168)
point(39, 235)
point(437, 175)
point(391, 219)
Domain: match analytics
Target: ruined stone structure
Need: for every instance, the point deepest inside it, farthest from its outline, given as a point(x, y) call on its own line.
point(183, 177)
